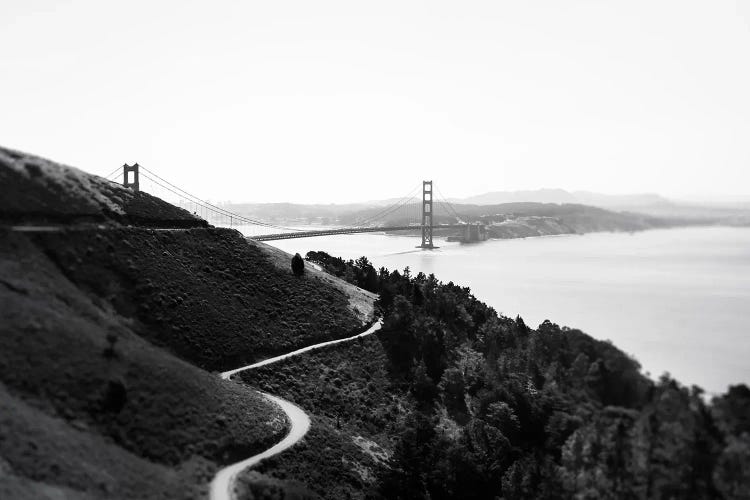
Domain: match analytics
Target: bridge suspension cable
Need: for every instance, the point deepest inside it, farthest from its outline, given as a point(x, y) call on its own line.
point(389, 209)
point(111, 176)
point(410, 206)
point(448, 207)
point(205, 204)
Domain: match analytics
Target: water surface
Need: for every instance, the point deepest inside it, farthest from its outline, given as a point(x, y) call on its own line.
point(676, 299)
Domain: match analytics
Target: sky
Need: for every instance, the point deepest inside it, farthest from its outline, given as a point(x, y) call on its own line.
point(326, 102)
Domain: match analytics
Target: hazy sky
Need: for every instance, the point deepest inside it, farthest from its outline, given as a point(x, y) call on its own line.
point(339, 101)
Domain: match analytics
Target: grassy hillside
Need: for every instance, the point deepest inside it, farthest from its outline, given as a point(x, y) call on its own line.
point(75, 371)
point(36, 190)
point(207, 295)
point(107, 334)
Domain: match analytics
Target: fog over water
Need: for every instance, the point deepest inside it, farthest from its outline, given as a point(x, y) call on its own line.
point(676, 299)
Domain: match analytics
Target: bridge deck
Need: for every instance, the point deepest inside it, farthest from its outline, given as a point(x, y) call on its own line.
point(351, 230)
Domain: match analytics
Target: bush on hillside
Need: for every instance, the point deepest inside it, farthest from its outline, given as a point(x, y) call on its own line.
point(298, 265)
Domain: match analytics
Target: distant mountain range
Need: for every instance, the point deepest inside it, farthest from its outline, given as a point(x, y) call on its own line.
point(618, 202)
point(736, 212)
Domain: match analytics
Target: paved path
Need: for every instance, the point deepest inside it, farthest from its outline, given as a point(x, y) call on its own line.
point(222, 485)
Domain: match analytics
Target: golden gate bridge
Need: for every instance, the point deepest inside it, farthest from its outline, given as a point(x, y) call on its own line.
point(407, 214)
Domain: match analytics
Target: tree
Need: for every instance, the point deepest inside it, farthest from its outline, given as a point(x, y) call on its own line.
point(362, 263)
point(423, 387)
point(453, 387)
point(417, 297)
point(298, 265)
point(731, 474)
point(371, 280)
point(432, 347)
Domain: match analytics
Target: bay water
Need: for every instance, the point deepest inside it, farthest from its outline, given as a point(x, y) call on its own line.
point(678, 300)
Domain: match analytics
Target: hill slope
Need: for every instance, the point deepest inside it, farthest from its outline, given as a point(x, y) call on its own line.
point(107, 332)
point(36, 190)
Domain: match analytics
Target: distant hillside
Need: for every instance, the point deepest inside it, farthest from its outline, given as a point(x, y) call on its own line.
point(537, 196)
point(563, 211)
point(663, 211)
point(669, 212)
point(524, 219)
point(617, 202)
point(513, 220)
point(623, 201)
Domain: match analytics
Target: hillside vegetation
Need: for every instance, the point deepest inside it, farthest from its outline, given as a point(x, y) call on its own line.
point(452, 400)
point(83, 386)
point(107, 333)
point(36, 190)
point(207, 295)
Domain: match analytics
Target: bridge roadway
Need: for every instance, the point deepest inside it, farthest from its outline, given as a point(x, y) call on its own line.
point(348, 230)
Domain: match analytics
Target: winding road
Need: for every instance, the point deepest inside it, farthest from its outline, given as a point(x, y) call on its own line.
point(222, 485)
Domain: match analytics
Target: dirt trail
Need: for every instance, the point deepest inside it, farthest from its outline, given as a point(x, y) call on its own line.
point(222, 486)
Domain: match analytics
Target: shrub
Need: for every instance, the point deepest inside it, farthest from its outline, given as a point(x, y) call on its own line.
point(298, 265)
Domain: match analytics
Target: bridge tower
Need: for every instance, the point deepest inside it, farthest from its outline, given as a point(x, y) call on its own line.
point(126, 169)
point(427, 215)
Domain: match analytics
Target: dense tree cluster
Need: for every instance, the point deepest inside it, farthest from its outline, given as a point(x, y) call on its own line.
point(506, 411)
point(359, 272)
